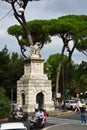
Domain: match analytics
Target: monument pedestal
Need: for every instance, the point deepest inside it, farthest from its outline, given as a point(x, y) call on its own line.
point(34, 86)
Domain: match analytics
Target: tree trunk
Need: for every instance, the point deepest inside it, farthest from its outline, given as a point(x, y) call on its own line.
point(67, 70)
point(59, 69)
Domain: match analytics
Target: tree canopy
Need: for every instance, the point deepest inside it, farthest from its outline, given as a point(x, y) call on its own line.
point(68, 28)
point(37, 31)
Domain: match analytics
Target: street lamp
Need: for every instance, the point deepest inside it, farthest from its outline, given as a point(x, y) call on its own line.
point(21, 9)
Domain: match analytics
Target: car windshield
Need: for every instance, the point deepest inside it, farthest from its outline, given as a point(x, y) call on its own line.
point(72, 101)
point(85, 101)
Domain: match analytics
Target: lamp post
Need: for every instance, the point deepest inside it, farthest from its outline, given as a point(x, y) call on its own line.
point(11, 100)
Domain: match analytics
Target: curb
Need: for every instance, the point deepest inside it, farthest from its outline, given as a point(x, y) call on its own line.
point(59, 113)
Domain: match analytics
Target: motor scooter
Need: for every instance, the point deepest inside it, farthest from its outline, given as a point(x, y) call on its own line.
point(36, 122)
point(18, 116)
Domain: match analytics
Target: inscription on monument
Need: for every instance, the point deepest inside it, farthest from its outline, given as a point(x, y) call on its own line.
point(37, 68)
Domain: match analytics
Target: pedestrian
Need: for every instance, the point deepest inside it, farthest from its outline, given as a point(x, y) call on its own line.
point(63, 104)
point(83, 115)
point(78, 106)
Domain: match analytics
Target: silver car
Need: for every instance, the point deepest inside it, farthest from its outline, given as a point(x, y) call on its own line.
point(69, 104)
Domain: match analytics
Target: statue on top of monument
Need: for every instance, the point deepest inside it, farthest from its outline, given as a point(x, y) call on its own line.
point(35, 49)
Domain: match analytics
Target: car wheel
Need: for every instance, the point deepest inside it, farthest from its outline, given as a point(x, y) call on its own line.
point(31, 126)
point(71, 108)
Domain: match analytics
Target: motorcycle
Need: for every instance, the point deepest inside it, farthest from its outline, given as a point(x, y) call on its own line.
point(19, 116)
point(36, 122)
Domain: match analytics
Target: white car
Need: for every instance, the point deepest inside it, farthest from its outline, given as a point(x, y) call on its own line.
point(69, 104)
point(13, 126)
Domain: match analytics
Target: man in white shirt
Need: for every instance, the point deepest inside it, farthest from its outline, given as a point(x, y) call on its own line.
point(41, 115)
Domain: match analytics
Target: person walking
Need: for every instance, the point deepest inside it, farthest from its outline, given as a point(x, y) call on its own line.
point(83, 115)
point(78, 106)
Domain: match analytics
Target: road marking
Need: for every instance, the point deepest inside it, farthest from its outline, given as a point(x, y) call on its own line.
point(61, 120)
point(47, 128)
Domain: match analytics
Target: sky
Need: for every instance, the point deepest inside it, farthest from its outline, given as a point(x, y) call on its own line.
point(43, 9)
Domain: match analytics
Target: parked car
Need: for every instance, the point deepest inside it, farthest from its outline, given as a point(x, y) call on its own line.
point(13, 126)
point(85, 101)
point(69, 104)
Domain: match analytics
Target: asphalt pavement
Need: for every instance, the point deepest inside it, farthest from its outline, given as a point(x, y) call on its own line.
point(64, 125)
point(67, 126)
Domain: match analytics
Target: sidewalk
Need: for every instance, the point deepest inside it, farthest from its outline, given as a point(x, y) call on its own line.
point(58, 112)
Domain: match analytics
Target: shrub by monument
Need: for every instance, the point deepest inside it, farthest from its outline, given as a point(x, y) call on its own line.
point(5, 107)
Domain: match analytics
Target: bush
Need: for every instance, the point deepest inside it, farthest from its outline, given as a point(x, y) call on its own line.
point(5, 107)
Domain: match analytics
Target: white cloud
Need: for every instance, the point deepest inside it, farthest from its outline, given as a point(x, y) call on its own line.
point(54, 47)
point(2, 33)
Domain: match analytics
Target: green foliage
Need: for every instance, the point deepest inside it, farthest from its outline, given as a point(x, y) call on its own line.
point(11, 69)
point(51, 66)
point(69, 27)
point(79, 22)
point(36, 28)
point(37, 31)
point(15, 30)
point(82, 77)
point(5, 106)
point(4, 61)
point(78, 83)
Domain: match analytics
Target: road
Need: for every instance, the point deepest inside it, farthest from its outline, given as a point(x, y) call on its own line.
point(65, 122)
point(61, 120)
point(70, 118)
point(67, 127)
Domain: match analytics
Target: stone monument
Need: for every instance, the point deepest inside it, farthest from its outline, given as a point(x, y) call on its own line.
point(34, 86)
